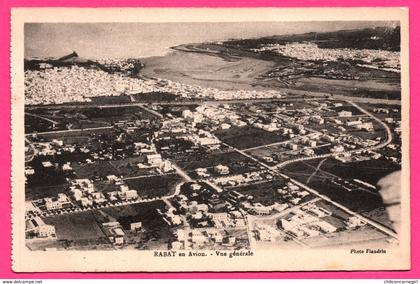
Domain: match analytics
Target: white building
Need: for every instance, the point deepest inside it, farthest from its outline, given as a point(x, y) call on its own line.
point(85, 202)
point(344, 113)
point(135, 226)
point(41, 229)
point(131, 194)
point(354, 222)
point(52, 204)
point(221, 169)
point(166, 166)
point(154, 160)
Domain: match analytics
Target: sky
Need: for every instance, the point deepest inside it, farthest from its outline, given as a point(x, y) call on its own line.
point(123, 40)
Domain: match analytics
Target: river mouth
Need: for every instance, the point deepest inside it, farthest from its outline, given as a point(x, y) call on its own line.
point(208, 70)
point(212, 66)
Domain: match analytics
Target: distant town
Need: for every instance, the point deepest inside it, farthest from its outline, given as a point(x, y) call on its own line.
point(115, 159)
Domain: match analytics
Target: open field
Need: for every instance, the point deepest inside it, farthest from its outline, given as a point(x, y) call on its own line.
point(370, 171)
point(114, 114)
point(78, 118)
point(156, 229)
point(368, 88)
point(77, 226)
point(140, 212)
point(82, 230)
point(45, 182)
point(264, 192)
point(124, 167)
point(156, 186)
point(111, 99)
point(247, 137)
point(41, 124)
point(99, 168)
point(77, 136)
point(38, 192)
point(155, 97)
point(362, 201)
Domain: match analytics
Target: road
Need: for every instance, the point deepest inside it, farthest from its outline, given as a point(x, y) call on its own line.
point(146, 176)
point(249, 231)
point(176, 192)
point(374, 224)
point(384, 125)
point(181, 172)
point(345, 209)
point(41, 117)
point(155, 113)
point(308, 96)
point(275, 170)
point(165, 198)
point(70, 130)
point(325, 198)
point(187, 178)
point(145, 108)
point(316, 170)
point(165, 103)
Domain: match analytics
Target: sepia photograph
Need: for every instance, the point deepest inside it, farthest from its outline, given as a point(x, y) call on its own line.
point(210, 139)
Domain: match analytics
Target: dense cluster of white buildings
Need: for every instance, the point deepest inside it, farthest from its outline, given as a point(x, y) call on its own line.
point(114, 232)
point(54, 203)
point(122, 65)
point(306, 222)
point(59, 85)
point(84, 193)
point(78, 84)
point(241, 179)
point(381, 59)
point(199, 238)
